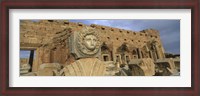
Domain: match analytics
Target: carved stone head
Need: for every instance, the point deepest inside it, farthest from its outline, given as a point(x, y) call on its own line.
point(90, 42)
point(86, 43)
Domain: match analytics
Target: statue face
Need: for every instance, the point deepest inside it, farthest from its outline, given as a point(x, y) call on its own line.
point(90, 42)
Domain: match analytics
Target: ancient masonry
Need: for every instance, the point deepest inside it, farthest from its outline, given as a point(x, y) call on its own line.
point(64, 48)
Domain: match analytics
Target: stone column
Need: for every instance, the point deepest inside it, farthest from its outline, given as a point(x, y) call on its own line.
point(113, 54)
point(40, 56)
point(163, 52)
point(35, 65)
point(139, 53)
point(158, 52)
point(150, 54)
point(46, 55)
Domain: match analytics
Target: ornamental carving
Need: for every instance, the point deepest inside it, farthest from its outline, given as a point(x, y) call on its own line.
point(85, 43)
point(88, 42)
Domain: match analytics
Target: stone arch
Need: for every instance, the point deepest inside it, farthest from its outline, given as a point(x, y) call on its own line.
point(105, 52)
point(135, 54)
point(152, 50)
point(125, 53)
point(145, 52)
point(104, 48)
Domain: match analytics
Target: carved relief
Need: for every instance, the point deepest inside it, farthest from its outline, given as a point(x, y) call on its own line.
point(86, 67)
point(85, 43)
point(88, 42)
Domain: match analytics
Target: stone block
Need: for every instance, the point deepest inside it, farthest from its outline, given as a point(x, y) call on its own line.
point(86, 67)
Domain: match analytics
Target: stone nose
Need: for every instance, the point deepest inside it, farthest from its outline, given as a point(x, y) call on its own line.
point(92, 42)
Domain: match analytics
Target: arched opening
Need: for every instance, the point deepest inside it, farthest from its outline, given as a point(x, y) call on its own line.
point(105, 58)
point(124, 51)
point(105, 52)
point(118, 59)
point(127, 59)
point(135, 54)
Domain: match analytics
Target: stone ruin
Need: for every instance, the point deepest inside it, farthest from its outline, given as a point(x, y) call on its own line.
point(65, 48)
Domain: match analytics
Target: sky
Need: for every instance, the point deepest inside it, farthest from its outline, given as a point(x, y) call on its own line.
point(169, 30)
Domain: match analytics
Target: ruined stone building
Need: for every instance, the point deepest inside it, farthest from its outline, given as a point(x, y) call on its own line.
point(58, 48)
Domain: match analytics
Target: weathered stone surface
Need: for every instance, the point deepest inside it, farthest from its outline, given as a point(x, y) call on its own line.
point(30, 74)
point(86, 67)
point(166, 67)
point(24, 68)
point(177, 64)
point(136, 70)
point(146, 64)
point(49, 69)
point(24, 60)
point(112, 69)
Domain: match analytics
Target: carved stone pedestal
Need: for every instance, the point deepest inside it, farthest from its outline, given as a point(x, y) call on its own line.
point(86, 67)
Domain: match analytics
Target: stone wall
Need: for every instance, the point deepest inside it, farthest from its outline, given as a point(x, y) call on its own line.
point(50, 40)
